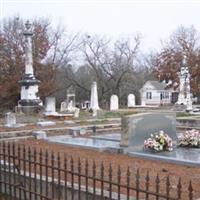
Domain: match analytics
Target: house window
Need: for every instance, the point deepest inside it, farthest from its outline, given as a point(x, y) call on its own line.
point(164, 95)
point(148, 95)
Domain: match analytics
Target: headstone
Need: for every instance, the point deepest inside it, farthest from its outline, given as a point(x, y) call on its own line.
point(50, 106)
point(83, 131)
point(94, 104)
point(114, 102)
point(10, 120)
point(70, 106)
point(76, 112)
point(131, 100)
point(39, 134)
point(63, 106)
point(137, 128)
point(76, 131)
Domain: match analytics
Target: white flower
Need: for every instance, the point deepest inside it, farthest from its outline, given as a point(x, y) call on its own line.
point(158, 142)
point(161, 133)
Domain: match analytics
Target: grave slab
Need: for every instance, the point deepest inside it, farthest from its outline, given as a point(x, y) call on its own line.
point(88, 143)
point(109, 137)
point(46, 123)
point(183, 156)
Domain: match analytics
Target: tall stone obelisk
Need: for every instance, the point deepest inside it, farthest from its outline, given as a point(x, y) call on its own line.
point(184, 97)
point(29, 99)
point(94, 104)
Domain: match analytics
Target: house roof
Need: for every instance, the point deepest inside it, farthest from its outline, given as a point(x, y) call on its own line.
point(158, 85)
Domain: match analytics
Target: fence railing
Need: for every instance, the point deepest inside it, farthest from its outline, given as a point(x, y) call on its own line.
point(28, 173)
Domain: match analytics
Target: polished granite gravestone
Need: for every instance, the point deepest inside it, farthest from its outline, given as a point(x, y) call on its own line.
point(137, 128)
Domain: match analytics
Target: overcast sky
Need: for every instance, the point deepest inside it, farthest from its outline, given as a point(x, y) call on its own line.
point(155, 20)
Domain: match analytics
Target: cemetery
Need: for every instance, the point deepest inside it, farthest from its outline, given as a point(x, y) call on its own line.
point(54, 148)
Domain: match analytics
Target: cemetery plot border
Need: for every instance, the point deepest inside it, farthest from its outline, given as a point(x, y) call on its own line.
point(29, 173)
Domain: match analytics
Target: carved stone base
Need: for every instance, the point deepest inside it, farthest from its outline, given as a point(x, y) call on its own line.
point(30, 106)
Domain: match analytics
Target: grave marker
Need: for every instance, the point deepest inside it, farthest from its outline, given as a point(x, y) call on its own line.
point(137, 128)
point(114, 102)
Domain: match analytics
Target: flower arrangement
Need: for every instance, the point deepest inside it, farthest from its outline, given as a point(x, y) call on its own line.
point(191, 138)
point(159, 142)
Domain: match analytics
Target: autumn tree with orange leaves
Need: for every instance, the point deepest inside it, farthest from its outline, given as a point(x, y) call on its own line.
point(52, 49)
point(184, 41)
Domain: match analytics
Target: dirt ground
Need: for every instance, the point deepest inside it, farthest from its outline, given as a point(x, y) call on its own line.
point(174, 171)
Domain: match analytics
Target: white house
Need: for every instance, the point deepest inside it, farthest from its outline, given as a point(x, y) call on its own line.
point(155, 93)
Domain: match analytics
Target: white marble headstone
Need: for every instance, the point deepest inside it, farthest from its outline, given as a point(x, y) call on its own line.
point(131, 100)
point(63, 106)
point(114, 102)
point(70, 106)
point(76, 112)
point(10, 119)
point(50, 105)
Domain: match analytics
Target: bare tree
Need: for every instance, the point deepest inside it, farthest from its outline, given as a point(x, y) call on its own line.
point(111, 65)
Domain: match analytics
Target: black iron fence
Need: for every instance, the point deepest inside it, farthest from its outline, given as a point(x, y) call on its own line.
point(28, 173)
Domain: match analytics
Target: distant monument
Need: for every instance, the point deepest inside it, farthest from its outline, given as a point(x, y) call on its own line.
point(71, 99)
point(94, 104)
point(114, 102)
point(68, 105)
point(184, 97)
point(29, 99)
